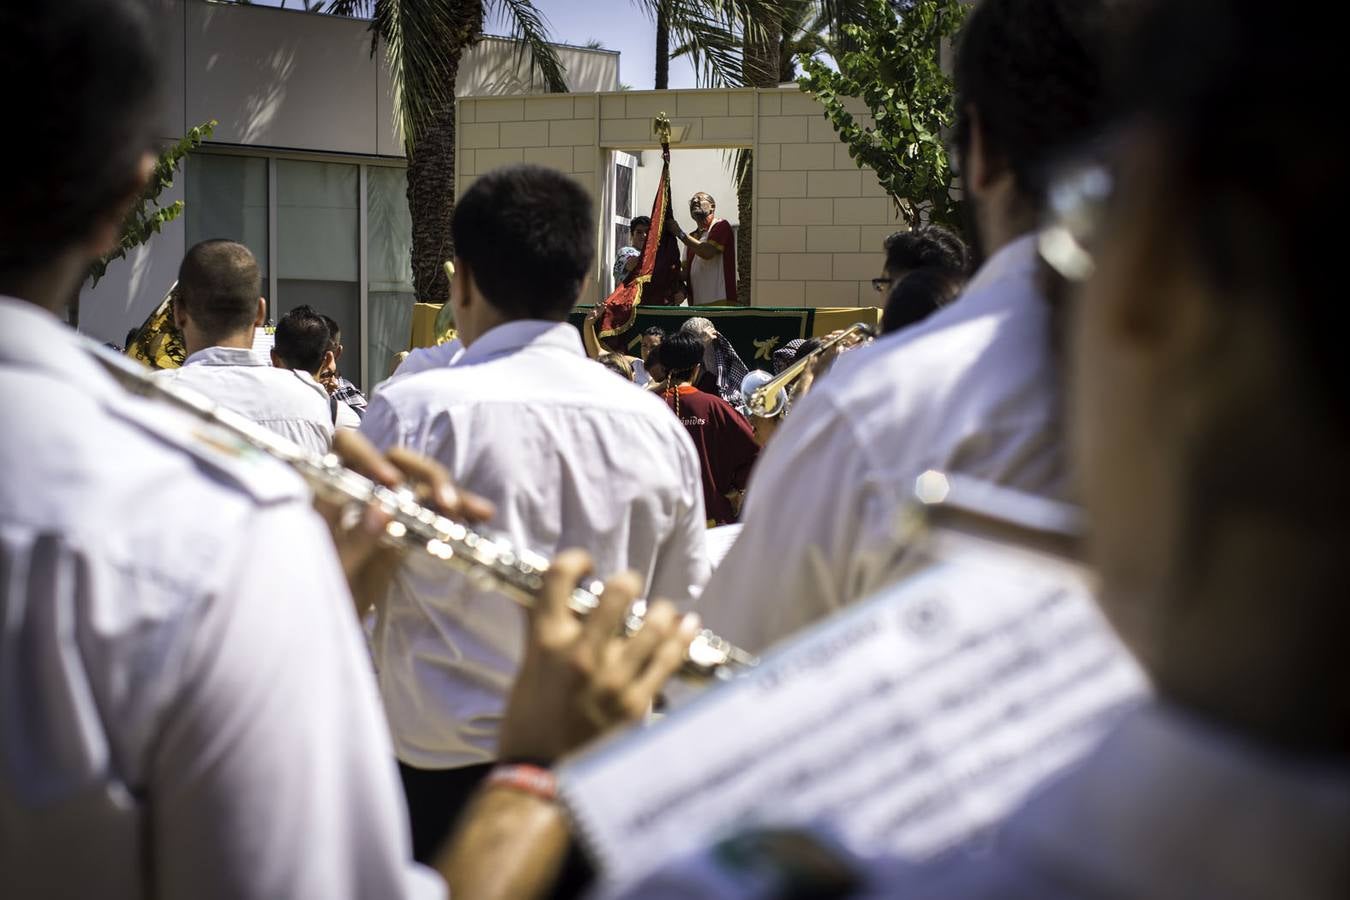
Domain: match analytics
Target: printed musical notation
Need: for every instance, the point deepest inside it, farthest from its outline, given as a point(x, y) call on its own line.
point(910, 723)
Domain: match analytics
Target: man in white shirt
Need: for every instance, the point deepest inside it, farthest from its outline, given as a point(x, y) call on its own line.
point(218, 305)
point(710, 254)
point(974, 389)
point(570, 456)
point(186, 707)
point(303, 343)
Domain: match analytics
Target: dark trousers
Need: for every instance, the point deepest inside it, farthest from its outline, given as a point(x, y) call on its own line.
point(437, 798)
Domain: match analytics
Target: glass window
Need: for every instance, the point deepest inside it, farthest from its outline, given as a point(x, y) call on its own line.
point(389, 267)
point(226, 197)
point(318, 246)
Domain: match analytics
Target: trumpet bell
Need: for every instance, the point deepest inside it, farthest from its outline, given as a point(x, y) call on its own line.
point(750, 388)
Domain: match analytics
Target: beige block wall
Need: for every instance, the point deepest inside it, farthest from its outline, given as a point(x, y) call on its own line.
point(819, 219)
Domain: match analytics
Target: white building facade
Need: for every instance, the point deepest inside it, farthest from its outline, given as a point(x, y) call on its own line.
point(305, 167)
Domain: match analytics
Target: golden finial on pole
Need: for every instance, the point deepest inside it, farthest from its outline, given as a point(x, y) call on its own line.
point(662, 128)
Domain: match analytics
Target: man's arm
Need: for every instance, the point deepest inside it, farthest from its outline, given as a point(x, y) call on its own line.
point(807, 514)
point(579, 679)
point(706, 248)
point(588, 335)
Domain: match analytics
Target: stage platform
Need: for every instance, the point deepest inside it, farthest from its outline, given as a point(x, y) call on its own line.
point(755, 332)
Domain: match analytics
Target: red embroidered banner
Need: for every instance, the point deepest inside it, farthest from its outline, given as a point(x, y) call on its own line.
point(658, 278)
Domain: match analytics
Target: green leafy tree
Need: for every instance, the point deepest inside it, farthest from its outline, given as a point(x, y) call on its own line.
point(893, 64)
point(148, 217)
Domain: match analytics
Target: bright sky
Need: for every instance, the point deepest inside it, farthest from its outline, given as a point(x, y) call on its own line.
point(620, 25)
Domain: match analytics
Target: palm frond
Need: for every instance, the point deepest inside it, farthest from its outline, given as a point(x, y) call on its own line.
point(531, 33)
point(353, 9)
point(715, 33)
point(420, 38)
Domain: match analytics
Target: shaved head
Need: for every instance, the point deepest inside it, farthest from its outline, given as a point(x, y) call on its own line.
point(219, 285)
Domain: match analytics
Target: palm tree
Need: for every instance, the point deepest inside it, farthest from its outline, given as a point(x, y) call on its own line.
point(714, 33)
point(772, 43)
point(424, 41)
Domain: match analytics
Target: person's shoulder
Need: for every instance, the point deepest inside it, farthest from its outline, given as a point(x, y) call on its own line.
point(207, 455)
point(721, 231)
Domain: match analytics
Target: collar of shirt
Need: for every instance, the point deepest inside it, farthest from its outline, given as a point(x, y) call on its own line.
point(36, 339)
point(522, 334)
point(228, 356)
point(1166, 793)
point(1016, 259)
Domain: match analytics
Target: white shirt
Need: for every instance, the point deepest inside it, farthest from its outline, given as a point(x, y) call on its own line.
point(707, 277)
point(1167, 807)
point(572, 457)
point(971, 390)
point(186, 709)
point(346, 416)
point(288, 401)
point(436, 357)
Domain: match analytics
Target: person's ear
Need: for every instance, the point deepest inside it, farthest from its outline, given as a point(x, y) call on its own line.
point(277, 362)
point(329, 363)
point(179, 311)
point(260, 317)
point(107, 231)
point(978, 169)
point(461, 286)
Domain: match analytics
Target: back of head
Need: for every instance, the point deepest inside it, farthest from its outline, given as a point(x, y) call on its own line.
point(302, 340)
point(618, 364)
point(334, 332)
point(928, 247)
point(527, 235)
point(1244, 212)
point(916, 297)
point(219, 285)
point(681, 352)
point(84, 83)
point(1035, 73)
point(697, 326)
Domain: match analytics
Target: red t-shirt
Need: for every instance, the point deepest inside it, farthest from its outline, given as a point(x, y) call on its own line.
point(726, 447)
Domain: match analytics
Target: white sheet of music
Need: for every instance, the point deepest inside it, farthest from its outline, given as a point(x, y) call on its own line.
point(720, 540)
point(909, 723)
point(264, 339)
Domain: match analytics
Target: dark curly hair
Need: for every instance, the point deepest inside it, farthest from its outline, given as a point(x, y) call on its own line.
point(928, 247)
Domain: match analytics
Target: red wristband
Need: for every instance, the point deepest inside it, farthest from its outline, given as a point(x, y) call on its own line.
point(528, 779)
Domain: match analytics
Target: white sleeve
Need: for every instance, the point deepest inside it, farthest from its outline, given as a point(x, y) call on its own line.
point(813, 522)
point(381, 425)
point(682, 566)
point(274, 775)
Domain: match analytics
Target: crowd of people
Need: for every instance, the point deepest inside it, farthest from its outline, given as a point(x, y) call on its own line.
point(189, 707)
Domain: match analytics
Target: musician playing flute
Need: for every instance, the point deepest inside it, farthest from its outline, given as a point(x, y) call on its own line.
point(569, 455)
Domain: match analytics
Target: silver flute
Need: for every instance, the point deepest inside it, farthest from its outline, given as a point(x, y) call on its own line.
point(488, 562)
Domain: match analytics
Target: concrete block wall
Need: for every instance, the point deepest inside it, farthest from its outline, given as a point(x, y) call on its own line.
point(819, 219)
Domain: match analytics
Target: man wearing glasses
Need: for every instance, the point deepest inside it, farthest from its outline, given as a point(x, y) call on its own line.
point(710, 261)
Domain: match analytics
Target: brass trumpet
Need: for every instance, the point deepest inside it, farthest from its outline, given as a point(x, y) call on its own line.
point(767, 399)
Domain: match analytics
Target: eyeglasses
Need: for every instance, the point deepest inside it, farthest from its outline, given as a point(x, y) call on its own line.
point(881, 284)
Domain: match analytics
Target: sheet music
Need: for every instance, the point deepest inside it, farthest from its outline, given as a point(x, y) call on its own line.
point(909, 723)
point(264, 339)
point(720, 540)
